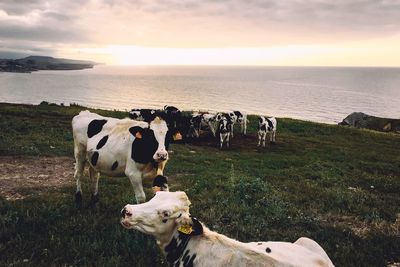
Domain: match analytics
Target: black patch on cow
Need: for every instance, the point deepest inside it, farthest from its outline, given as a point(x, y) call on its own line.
point(160, 181)
point(263, 127)
point(188, 259)
point(197, 227)
point(94, 158)
point(102, 142)
point(238, 114)
point(268, 250)
point(260, 119)
point(114, 166)
point(94, 127)
point(270, 125)
point(143, 148)
point(176, 252)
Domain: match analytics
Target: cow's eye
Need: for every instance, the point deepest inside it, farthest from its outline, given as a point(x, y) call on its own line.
point(165, 220)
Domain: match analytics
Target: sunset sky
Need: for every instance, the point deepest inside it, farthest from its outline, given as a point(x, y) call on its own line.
point(205, 32)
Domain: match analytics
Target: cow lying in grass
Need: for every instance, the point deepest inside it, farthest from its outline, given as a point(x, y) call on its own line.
point(187, 242)
point(265, 126)
point(118, 147)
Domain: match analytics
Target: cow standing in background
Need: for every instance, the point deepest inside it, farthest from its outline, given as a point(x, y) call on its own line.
point(240, 118)
point(224, 131)
point(118, 147)
point(265, 126)
point(143, 114)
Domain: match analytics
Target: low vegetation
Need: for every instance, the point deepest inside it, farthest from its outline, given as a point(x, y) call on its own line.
point(337, 185)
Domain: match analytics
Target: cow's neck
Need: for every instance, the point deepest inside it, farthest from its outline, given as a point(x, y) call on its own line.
point(174, 246)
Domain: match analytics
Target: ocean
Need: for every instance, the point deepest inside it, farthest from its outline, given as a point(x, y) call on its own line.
point(321, 94)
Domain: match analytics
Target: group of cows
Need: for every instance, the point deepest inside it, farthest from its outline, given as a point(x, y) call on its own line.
point(220, 125)
point(137, 147)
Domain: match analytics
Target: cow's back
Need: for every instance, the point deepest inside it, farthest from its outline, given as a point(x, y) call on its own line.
point(80, 125)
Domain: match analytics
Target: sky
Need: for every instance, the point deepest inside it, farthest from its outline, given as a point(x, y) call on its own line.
point(205, 32)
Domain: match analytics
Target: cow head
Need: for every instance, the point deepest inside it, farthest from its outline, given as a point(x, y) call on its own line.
point(149, 144)
point(224, 125)
point(165, 213)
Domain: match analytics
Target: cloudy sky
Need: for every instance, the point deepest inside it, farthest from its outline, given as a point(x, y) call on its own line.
point(226, 32)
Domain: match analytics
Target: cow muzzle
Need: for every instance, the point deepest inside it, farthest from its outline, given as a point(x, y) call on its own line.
point(161, 156)
point(126, 216)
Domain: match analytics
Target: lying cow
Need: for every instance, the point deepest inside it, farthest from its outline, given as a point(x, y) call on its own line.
point(185, 241)
point(225, 129)
point(118, 147)
point(240, 118)
point(265, 126)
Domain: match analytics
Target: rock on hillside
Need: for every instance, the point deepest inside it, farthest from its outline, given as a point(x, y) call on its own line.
point(362, 120)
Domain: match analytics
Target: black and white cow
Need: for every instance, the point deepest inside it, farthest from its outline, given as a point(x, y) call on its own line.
point(240, 118)
point(185, 241)
point(265, 126)
point(195, 124)
point(143, 114)
point(118, 147)
point(209, 121)
point(224, 131)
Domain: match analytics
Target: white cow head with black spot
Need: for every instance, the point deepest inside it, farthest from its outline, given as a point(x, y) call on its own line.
point(159, 217)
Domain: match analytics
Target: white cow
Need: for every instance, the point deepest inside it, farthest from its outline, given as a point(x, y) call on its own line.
point(266, 125)
point(118, 147)
point(187, 242)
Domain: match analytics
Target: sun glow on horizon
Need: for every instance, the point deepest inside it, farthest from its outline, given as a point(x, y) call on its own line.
point(351, 54)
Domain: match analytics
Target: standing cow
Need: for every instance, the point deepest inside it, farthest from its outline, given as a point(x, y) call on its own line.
point(118, 147)
point(224, 130)
point(240, 118)
point(266, 125)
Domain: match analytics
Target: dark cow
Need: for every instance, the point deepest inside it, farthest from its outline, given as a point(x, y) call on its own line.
point(185, 241)
point(265, 126)
point(118, 147)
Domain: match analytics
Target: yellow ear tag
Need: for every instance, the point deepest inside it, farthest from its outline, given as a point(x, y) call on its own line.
point(138, 135)
point(177, 136)
point(185, 229)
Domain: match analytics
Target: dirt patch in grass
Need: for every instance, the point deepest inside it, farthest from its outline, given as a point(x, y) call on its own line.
point(22, 176)
point(363, 228)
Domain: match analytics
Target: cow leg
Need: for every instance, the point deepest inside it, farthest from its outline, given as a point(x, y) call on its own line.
point(274, 136)
point(245, 125)
point(227, 141)
point(210, 125)
point(136, 181)
point(232, 129)
point(263, 139)
point(80, 159)
point(259, 138)
point(94, 180)
point(221, 141)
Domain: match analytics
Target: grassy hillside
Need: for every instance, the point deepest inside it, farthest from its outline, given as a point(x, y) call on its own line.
point(337, 185)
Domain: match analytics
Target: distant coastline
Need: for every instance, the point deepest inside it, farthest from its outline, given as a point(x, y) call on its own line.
point(36, 63)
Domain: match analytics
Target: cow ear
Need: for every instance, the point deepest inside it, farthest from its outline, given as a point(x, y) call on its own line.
point(197, 227)
point(136, 131)
point(189, 225)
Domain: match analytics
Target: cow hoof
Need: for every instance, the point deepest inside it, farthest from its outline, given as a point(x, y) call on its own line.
point(95, 198)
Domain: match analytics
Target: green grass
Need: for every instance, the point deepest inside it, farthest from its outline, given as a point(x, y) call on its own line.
point(297, 187)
